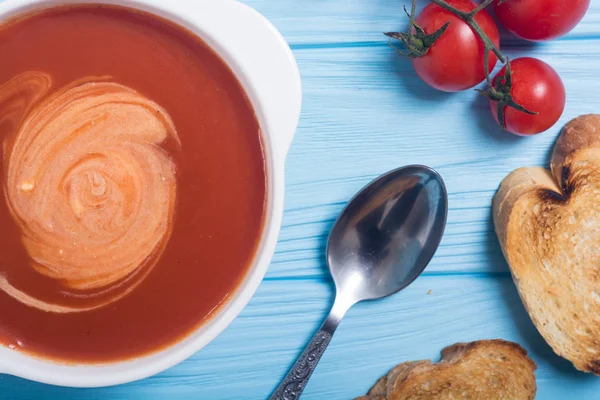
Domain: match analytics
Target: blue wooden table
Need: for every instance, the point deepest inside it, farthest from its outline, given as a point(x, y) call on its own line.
point(364, 113)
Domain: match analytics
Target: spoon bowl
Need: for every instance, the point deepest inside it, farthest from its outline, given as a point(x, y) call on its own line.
point(380, 244)
point(388, 233)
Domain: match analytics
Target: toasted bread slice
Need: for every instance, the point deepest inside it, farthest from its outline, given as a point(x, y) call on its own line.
point(548, 224)
point(482, 370)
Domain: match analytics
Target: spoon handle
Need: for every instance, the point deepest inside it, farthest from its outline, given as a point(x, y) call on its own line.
point(293, 384)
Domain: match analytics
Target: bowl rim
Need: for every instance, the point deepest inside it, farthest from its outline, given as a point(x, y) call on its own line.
point(277, 129)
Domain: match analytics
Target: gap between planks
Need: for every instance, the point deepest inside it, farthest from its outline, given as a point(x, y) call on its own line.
point(511, 43)
point(440, 274)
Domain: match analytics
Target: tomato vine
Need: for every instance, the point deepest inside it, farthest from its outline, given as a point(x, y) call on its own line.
point(417, 43)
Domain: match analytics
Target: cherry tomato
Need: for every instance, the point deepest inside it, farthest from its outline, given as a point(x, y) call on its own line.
point(538, 20)
point(537, 87)
point(455, 61)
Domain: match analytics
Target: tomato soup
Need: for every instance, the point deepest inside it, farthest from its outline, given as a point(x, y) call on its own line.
point(134, 183)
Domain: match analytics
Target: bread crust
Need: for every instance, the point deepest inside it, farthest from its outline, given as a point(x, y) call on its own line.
point(481, 370)
point(548, 225)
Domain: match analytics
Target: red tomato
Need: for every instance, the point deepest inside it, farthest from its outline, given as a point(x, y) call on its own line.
point(537, 87)
point(455, 61)
point(541, 19)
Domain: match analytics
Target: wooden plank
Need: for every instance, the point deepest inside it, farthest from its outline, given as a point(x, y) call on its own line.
point(328, 23)
point(365, 112)
point(247, 361)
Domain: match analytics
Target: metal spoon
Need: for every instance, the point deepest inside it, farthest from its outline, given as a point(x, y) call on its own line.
point(380, 244)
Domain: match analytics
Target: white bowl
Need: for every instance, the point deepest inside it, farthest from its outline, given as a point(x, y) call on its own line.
point(265, 66)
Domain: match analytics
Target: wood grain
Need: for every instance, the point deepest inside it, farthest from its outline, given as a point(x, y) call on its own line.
point(329, 23)
point(365, 112)
point(247, 361)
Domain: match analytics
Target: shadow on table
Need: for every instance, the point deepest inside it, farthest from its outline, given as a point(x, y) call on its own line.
point(323, 253)
point(486, 123)
point(410, 81)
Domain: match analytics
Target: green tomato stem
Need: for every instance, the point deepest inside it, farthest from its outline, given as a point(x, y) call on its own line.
point(413, 13)
point(481, 7)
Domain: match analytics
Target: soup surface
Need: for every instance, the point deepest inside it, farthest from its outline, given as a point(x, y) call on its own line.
point(134, 183)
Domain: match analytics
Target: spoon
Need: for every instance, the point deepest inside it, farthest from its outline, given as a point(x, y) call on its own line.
point(381, 243)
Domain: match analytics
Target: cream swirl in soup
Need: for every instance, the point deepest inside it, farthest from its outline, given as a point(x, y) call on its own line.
point(89, 186)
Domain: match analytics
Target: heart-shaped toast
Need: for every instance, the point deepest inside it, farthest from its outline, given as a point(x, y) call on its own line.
point(548, 224)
